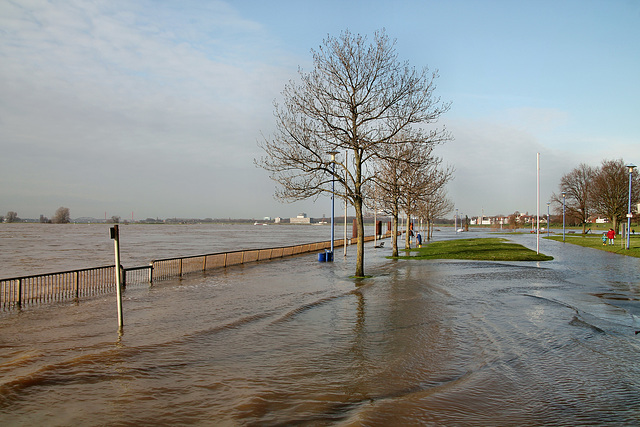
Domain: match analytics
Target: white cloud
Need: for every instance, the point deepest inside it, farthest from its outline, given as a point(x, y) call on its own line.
point(89, 88)
point(156, 106)
point(496, 168)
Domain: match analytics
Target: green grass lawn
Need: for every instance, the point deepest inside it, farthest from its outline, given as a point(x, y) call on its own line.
point(488, 249)
point(595, 241)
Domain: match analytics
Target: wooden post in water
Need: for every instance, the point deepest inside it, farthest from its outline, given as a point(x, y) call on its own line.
point(115, 235)
point(77, 283)
point(19, 292)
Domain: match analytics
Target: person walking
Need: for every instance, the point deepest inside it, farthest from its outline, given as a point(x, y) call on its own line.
point(604, 239)
point(611, 235)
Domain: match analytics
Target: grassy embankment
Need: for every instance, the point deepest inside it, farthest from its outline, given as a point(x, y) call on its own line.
point(488, 249)
point(595, 241)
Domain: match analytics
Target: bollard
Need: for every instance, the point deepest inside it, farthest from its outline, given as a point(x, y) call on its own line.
point(115, 235)
point(329, 256)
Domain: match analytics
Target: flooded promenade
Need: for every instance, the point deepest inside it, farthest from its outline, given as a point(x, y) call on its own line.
point(297, 342)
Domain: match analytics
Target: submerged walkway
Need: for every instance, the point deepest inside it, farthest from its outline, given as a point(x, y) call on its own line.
point(298, 342)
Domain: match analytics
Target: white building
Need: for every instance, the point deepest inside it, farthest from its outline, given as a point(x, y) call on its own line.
point(300, 219)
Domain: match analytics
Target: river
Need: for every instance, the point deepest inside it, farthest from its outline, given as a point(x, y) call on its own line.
point(28, 249)
point(298, 342)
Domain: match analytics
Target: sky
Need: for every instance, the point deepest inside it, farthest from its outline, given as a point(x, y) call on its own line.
point(154, 109)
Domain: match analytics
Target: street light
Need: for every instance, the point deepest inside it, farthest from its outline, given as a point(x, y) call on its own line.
point(455, 227)
point(548, 221)
point(346, 160)
point(630, 167)
point(333, 197)
point(564, 196)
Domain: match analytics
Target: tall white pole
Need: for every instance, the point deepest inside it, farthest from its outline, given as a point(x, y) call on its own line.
point(455, 222)
point(346, 158)
point(538, 209)
point(375, 219)
point(630, 166)
point(333, 198)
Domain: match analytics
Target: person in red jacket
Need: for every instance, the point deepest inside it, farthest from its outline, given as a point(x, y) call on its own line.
point(611, 234)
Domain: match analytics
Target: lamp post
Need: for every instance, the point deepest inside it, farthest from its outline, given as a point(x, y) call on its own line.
point(333, 197)
point(564, 197)
point(538, 208)
point(346, 160)
point(455, 227)
point(630, 167)
point(548, 220)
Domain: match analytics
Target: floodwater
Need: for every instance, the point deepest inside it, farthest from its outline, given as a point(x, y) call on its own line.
point(29, 249)
point(297, 342)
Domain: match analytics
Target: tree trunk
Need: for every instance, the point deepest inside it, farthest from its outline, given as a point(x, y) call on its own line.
point(360, 246)
point(394, 237)
point(407, 237)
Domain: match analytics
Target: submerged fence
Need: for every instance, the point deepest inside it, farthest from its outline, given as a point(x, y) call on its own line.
point(75, 284)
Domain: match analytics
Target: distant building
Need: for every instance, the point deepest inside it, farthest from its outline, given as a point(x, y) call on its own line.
point(485, 220)
point(300, 219)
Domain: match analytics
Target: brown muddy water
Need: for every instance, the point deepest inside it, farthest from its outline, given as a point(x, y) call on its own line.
point(297, 342)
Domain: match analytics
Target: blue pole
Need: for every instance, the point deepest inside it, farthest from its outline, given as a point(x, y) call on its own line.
point(629, 210)
point(333, 200)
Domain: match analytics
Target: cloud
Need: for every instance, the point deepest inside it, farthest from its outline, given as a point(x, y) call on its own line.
point(496, 167)
point(156, 106)
point(110, 98)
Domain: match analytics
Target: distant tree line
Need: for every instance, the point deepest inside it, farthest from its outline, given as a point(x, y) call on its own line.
point(11, 217)
point(601, 191)
point(61, 216)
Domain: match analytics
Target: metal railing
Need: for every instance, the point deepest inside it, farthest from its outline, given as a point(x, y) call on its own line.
point(168, 268)
point(58, 286)
point(75, 284)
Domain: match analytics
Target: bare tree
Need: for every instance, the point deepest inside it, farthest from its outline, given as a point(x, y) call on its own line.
point(514, 220)
point(390, 186)
point(11, 217)
point(436, 206)
point(407, 176)
point(357, 98)
point(415, 183)
point(610, 190)
point(421, 185)
point(61, 216)
point(577, 187)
